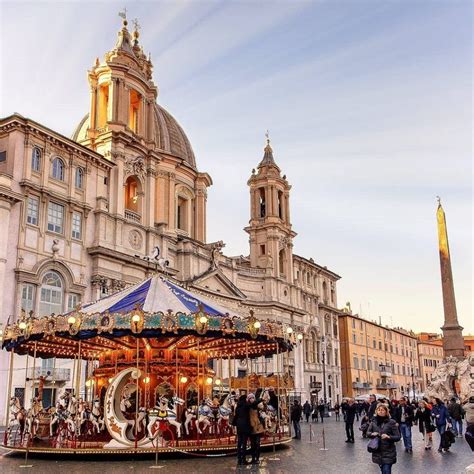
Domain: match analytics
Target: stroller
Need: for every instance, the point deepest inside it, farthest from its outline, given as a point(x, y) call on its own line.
point(364, 425)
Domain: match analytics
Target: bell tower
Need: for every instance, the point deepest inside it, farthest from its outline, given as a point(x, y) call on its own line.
point(269, 228)
point(122, 92)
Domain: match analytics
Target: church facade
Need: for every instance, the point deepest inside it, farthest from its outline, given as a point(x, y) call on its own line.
point(79, 214)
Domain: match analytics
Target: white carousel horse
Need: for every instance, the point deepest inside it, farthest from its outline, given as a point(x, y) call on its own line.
point(163, 412)
point(225, 410)
point(189, 416)
point(204, 414)
point(16, 417)
point(61, 414)
point(97, 414)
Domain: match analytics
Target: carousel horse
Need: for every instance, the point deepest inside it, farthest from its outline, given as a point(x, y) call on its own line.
point(16, 417)
point(59, 415)
point(189, 416)
point(32, 417)
point(267, 411)
point(205, 414)
point(166, 410)
point(88, 419)
point(97, 414)
point(225, 410)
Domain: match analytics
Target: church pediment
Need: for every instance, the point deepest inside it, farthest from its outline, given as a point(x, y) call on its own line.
point(216, 282)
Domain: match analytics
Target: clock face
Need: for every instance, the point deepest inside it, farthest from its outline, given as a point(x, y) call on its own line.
point(135, 239)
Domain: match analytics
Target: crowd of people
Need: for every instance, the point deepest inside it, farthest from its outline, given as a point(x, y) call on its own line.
point(384, 422)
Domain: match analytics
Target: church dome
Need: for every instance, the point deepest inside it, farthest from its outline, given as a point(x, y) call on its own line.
point(168, 135)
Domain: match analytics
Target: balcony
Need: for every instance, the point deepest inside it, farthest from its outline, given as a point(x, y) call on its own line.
point(387, 386)
point(132, 216)
point(362, 385)
point(385, 370)
point(58, 375)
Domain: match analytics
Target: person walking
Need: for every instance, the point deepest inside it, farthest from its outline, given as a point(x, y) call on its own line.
point(349, 417)
point(337, 409)
point(372, 407)
point(307, 410)
point(295, 414)
point(257, 428)
point(321, 408)
point(455, 411)
point(469, 412)
point(241, 421)
point(423, 416)
point(440, 414)
point(386, 430)
point(404, 416)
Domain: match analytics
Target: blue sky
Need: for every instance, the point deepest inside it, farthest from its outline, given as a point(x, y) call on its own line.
point(368, 103)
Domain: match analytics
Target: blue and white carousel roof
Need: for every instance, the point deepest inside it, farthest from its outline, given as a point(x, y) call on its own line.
point(153, 295)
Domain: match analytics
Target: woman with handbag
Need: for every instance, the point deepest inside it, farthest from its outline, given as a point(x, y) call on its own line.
point(383, 433)
point(257, 428)
point(440, 415)
point(426, 427)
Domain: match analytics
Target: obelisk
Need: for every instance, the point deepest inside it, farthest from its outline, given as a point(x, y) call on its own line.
point(453, 342)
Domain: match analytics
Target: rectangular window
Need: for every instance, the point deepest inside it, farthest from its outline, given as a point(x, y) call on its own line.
point(354, 338)
point(356, 362)
point(55, 217)
point(76, 225)
point(353, 324)
point(369, 364)
point(28, 297)
point(32, 210)
point(72, 301)
point(363, 362)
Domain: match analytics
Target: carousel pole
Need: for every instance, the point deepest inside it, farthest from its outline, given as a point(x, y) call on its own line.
point(26, 465)
point(26, 377)
point(176, 373)
point(10, 380)
point(34, 370)
point(229, 373)
point(73, 371)
point(275, 457)
point(247, 364)
point(53, 383)
point(78, 370)
point(137, 395)
point(199, 398)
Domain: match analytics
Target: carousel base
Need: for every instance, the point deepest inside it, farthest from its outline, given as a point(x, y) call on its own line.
point(227, 446)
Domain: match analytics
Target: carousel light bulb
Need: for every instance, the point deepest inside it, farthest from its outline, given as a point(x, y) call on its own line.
point(217, 381)
point(183, 379)
point(88, 383)
point(300, 337)
point(22, 325)
point(110, 379)
point(71, 320)
point(209, 380)
point(257, 324)
point(136, 318)
point(146, 379)
point(289, 329)
point(203, 319)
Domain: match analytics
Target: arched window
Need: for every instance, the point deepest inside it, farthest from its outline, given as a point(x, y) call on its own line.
point(131, 194)
point(325, 292)
point(281, 262)
point(36, 159)
point(51, 294)
point(58, 169)
point(79, 181)
point(261, 202)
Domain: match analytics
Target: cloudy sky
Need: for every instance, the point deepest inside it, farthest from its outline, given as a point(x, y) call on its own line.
point(368, 103)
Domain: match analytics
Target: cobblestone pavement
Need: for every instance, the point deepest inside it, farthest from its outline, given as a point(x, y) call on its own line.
point(300, 457)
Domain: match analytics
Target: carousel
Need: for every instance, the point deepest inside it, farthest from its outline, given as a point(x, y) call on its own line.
point(153, 370)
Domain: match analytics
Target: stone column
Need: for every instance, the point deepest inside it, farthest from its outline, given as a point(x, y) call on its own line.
point(171, 202)
point(93, 113)
point(160, 197)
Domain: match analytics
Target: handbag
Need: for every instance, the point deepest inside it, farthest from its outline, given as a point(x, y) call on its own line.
point(431, 428)
point(373, 445)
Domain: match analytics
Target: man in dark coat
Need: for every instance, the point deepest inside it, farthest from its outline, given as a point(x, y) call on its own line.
point(241, 421)
point(455, 411)
point(307, 410)
point(295, 414)
point(350, 414)
point(321, 408)
point(403, 414)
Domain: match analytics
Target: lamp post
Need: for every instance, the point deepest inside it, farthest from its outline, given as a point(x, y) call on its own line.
point(413, 378)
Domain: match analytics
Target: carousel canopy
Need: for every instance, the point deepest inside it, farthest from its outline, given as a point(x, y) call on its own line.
point(153, 295)
point(157, 311)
